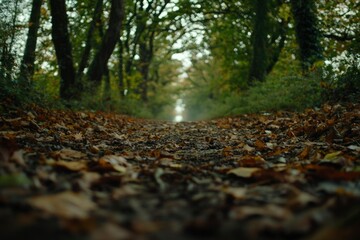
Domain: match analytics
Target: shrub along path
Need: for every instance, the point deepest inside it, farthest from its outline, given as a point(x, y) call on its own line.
point(86, 175)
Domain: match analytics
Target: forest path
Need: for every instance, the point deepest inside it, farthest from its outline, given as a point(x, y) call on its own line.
point(86, 175)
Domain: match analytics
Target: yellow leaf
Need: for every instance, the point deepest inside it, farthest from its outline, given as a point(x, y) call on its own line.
point(332, 156)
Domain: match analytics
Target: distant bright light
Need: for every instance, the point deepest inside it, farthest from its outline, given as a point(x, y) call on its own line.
point(179, 109)
point(178, 118)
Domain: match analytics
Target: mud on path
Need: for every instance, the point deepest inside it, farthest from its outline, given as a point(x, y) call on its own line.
point(87, 175)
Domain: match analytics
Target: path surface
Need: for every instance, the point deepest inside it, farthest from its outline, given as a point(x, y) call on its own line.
point(83, 175)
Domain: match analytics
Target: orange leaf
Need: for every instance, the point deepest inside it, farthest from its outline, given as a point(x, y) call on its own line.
point(305, 153)
point(260, 145)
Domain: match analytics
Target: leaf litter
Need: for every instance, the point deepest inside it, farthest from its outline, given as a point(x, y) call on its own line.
point(95, 175)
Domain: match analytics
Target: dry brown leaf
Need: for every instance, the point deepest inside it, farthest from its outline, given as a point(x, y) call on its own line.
point(111, 231)
point(72, 166)
point(114, 162)
point(227, 151)
point(18, 157)
point(260, 145)
point(251, 161)
point(270, 210)
point(78, 137)
point(243, 171)
point(236, 192)
point(87, 179)
point(69, 154)
point(124, 191)
point(248, 148)
point(302, 199)
point(64, 205)
point(305, 153)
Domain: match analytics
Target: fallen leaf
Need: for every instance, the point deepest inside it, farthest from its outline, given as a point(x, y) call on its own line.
point(110, 231)
point(64, 205)
point(305, 153)
point(243, 171)
point(260, 145)
point(332, 156)
point(354, 147)
point(227, 151)
point(157, 175)
point(236, 192)
point(114, 163)
point(248, 148)
point(251, 161)
point(72, 166)
point(78, 137)
point(124, 191)
point(302, 199)
point(69, 154)
point(270, 210)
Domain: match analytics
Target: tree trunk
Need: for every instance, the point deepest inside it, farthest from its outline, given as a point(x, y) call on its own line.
point(121, 69)
point(99, 63)
point(307, 33)
point(27, 64)
point(145, 58)
point(61, 40)
point(259, 59)
point(89, 38)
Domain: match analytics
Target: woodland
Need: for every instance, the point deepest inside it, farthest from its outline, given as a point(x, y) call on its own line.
point(179, 119)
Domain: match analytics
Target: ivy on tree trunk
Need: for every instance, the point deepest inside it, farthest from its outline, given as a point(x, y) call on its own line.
point(259, 61)
point(307, 33)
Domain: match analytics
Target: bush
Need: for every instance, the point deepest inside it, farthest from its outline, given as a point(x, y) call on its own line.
point(343, 87)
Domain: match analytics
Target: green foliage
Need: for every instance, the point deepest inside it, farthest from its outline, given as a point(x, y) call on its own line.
point(108, 99)
point(15, 94)
point(14, 180)
point(345, 86)
point(293, 93)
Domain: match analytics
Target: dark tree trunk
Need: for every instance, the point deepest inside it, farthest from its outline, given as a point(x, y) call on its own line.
point(89, 39)
point(61, 40)
point(121, 69)
point(145, 58)
point(98, 65)
point(259, 59)
point(146, 51)
point(307, 33)
point(107, 87)
point(27, 64)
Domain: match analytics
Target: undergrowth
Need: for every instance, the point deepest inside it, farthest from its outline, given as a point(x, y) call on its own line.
point(293, 93)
